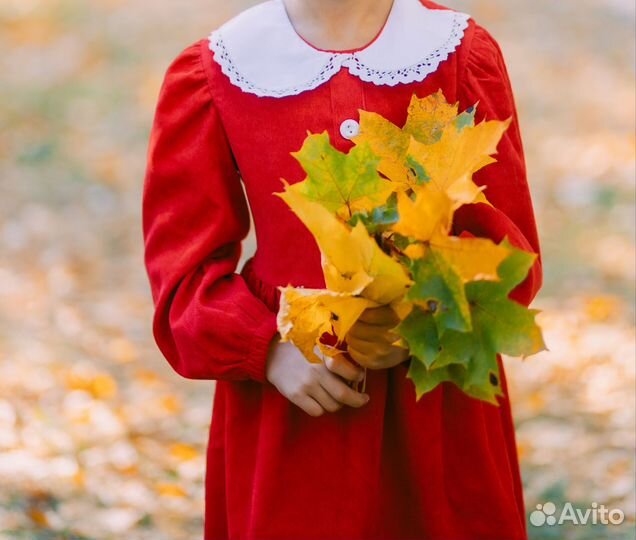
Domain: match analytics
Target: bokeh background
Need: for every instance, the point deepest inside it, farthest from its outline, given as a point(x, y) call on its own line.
point(100, 440)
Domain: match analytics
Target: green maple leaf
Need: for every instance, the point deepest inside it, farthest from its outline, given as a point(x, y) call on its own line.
point(469, 359)
point(464, 358)
point(508, 326)
point(514, 268)
point(342, 183)
point(438, 288)
point(378, 219)
point(420, 333)
point(425, 380)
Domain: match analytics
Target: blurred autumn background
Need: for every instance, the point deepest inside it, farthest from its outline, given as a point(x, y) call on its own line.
point(100, 440)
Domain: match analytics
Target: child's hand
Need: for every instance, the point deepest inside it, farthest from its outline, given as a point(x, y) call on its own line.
point(315, 388)
point(369, 342)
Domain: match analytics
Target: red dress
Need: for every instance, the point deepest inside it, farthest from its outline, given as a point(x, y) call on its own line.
point(442, 468)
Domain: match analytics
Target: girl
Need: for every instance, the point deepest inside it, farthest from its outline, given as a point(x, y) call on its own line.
point(295, 453)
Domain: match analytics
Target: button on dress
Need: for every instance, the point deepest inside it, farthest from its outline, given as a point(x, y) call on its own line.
point(441, 468)
point(349, 128)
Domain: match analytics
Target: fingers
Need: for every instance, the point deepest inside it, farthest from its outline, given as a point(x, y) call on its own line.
point(369, 348)
point(342, 393)
point(325, 392)
point(373, 358)
point(369, 332)
point(369, 343)
point(380, 316)
point(366, 360)
point(308, 404)
point(367, 353)
point(326, 401)
point(313, 387)
point(341, 366)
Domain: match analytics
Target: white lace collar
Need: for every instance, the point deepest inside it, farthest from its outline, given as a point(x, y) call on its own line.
point(260, 51)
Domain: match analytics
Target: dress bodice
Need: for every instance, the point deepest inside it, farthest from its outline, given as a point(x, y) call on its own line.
point(224, 123)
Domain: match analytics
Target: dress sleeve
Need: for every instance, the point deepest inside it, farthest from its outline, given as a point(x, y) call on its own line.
point(207, 323)
point(485, 80)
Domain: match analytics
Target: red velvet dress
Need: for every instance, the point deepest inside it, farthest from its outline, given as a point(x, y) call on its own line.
point(442, 468)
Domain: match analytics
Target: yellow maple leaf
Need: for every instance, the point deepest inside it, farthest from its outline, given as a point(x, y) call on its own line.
point(432, 147)
point(451, 161)
point(305, 314)
point(428, 116)
point(428, 220)
point(426, 119)
point(388, 142)
point(349, 255)
point(472, 258)
point(428, 216)
point(301, 319)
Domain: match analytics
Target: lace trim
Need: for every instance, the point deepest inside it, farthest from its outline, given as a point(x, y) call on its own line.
point(223, 58)
point(413, 73)
point(416, 72)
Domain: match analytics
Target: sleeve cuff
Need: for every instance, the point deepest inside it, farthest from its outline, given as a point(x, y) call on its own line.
point(258, 349)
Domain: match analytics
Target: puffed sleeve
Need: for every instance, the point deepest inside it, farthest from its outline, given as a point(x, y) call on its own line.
point(207, 323)
point(485, 80)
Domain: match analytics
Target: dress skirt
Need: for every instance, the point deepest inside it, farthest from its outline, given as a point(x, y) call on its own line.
point(441, 468)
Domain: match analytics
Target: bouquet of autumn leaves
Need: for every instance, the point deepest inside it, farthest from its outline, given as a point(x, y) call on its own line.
point(381, 215)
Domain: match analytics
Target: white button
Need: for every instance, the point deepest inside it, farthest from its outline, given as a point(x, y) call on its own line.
point(349, 128)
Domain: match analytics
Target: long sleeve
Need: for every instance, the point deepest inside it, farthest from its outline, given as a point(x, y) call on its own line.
point(207, 322)
point(485, 80)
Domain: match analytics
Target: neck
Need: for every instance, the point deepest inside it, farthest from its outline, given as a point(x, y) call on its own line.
point(338, 24)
